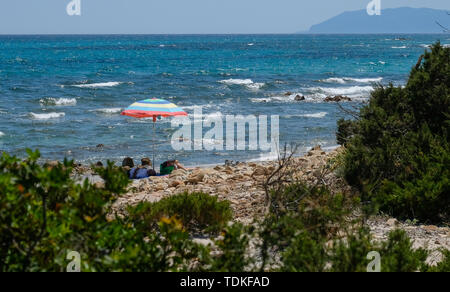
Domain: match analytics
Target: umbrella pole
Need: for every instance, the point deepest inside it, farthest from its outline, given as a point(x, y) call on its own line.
point(153, 140)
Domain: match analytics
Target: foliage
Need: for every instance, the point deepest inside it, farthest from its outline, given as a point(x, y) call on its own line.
point(196, 211)
point(317, 234)
point(44, 215)
point(398, 150)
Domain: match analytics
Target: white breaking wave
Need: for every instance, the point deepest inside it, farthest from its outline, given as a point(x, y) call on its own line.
point(58, 101)
point(2, 134)
point(244, 82)
point(279, 99)
point(402, 47)
point(354, 91)
point(315, 115)
point(194, 107)
point(96, 85)
point(344, 80)
point(110, 111)
point(47, 116)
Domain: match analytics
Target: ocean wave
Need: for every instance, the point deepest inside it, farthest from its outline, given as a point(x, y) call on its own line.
point(108, 111)
point(345, 80)
point(353, 91)
point(319, 115)
point(402, 47)
point(58, 101)
point(2, 134)
point(277, 99)
point(243, 82)
point(95, 85)
point(194, 107)
point(46, 116)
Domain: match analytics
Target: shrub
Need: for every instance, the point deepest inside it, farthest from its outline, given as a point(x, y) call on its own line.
point(196, 211)
point(44, 215)
point(398, 150)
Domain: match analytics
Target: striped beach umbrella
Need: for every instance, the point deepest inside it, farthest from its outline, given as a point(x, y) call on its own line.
point(153, 108)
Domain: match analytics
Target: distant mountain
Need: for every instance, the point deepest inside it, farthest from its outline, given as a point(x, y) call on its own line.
point(396, 20)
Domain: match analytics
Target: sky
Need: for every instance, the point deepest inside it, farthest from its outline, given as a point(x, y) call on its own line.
point(181, 16)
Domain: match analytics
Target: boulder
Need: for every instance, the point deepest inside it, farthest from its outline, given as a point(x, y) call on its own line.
point(260, 171)
point(392, 222)
point(199, 175)
point(337, 98)
point(300, 98)
point(175, 183)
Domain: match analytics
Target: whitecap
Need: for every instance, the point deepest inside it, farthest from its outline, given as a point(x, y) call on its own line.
point(244, 82)
point(344, 80)
point(109, 111)
point(46, 116)
point(2, 134)
point(96, 85)
point(353, 91)
point(319, 115)
point(402, 47)
point(58, 101)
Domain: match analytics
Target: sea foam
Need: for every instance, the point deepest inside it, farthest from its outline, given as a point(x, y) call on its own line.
point(315, 115)
point(58, 101)
point(353, 91)
point(109, 111)
point(96, 85)
point(345, 80)
point(46, 116)
point(244, 82)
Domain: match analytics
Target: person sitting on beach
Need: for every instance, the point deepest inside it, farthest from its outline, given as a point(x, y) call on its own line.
point(127, 165)
point(169, 166)
point(143, 171)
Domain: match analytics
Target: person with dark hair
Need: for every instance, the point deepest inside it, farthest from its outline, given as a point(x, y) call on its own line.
point(169, 166)
point(128, 162)
point(127, 165)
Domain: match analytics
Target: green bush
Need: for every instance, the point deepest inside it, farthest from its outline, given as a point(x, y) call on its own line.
point(44, 215)
point(196, 211)
point(398, 150)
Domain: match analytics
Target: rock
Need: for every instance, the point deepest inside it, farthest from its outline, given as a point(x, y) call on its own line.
point(99, 164)
point(198, 176)
point(431, 228)
point(100, 146)
point(175, 183)
point(337, 98)
point(392, 222)
point(300, 98)
point(288, 93)
point(160, 187)
point(260, 171)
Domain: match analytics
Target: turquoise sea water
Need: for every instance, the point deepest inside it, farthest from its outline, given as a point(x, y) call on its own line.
point(64, 94)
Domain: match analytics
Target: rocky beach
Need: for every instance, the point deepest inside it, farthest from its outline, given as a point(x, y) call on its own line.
point(243, 185)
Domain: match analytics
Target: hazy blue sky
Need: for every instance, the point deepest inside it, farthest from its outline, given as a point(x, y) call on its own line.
point(181, 16)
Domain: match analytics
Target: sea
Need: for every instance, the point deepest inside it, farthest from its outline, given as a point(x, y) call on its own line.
point(64, 95)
